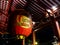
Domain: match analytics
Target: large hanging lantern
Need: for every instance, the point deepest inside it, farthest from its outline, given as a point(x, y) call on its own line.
point(23, 25)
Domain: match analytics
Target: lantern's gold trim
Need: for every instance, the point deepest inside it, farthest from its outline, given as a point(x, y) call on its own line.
point(20, 37)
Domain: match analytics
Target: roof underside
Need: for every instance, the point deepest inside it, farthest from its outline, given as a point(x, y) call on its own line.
point(35, 7)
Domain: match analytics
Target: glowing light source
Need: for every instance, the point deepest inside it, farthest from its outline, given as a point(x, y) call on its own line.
point(36, 43)
point(21, 37)
point(49, 10)
point(47, 15)
point(33, 23)
point(23, 25)
point(54, 8)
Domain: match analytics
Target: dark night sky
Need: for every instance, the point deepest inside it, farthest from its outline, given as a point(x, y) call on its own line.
point(44, 35)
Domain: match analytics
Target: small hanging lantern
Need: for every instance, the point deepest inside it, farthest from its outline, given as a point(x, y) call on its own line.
point(23, 25)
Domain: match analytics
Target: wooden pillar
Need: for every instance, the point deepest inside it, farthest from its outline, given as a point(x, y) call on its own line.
point(34, 38)
point(23, 42)
point(58, 28)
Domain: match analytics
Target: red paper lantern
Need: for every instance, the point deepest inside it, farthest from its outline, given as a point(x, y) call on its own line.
point(23, 25)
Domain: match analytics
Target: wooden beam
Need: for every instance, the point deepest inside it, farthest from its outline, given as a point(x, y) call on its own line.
point(8, 6)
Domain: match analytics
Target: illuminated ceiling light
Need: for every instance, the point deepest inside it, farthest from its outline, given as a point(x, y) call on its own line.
point(33, 23)
point(49, 10)
point(35, 30)
point(54, 8)
point(47, 15)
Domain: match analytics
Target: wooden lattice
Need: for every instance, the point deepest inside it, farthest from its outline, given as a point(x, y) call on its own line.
point(3, 17)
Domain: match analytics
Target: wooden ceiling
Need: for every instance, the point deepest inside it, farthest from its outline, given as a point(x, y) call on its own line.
point(35, 7)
